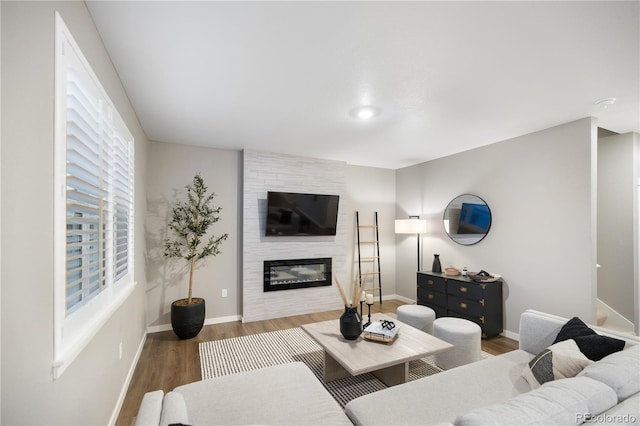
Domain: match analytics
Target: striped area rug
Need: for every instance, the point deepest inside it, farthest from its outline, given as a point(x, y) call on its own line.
point(229, 356)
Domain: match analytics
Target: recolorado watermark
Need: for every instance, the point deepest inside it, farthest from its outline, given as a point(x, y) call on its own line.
point(607, 418)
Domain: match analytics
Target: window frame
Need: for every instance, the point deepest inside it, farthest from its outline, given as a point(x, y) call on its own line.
point(74, 330)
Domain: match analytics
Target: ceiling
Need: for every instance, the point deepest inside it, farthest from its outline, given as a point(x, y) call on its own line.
point(447, 76)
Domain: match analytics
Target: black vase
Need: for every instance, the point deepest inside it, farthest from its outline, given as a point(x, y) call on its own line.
point(187, 320)
point(350, 323)
point(436, 264)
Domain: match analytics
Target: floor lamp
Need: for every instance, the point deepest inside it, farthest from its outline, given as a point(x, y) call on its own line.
point(413, 225)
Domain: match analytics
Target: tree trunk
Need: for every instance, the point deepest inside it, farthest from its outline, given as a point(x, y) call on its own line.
point(193, 266)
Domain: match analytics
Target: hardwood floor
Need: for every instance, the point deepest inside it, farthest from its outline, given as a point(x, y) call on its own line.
point(167, 362)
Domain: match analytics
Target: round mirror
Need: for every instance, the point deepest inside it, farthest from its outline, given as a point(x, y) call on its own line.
point(467, 219)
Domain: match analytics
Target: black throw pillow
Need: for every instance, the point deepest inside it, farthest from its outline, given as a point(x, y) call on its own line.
point(573, 328)
point(591, 344)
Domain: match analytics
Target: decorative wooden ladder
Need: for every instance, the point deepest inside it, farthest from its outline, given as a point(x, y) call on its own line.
point(367, 279)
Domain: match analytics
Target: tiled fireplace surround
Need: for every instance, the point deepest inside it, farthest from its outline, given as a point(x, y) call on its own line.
point(264, 172)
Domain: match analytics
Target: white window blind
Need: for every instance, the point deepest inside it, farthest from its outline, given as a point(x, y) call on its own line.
point(94, 203)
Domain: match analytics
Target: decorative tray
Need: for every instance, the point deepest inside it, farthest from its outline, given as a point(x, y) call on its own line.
point(377, 333)
point(379, 337)
point(482, 279)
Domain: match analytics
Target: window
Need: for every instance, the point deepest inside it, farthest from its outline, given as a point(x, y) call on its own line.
point(94, 182)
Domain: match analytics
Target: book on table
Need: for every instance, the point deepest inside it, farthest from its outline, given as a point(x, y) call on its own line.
point(376, 331)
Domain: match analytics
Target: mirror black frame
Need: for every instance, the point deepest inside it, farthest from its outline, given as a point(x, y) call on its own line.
point(470, 238)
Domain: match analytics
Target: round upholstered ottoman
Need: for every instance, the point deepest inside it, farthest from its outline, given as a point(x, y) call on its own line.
point(418, 316)
point(464, 335)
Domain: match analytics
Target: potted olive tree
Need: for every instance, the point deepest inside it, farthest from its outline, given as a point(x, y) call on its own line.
point(189, 223)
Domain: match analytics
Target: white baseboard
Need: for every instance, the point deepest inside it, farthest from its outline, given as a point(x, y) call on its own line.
point(400, 298)
point(125, 387)
point(208, 321)
point(158, 328)
point(221, 320)
point(511, 335)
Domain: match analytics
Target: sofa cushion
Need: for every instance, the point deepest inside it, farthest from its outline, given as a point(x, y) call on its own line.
point(620, 371)
point(559, 361)
point(174, 410)
point(562, 402)
point(593, 345)
point(286, 394)
point(624, 413)
point(150, 409)
point(444, 396)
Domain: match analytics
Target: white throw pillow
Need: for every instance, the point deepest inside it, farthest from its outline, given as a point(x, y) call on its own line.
point(559, 361)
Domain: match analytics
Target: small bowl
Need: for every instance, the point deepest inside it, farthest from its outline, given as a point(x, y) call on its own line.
point(451, 271)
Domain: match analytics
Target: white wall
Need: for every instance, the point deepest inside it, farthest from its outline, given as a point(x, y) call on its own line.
point(542, 240)
point(616, 194)
point(89, 390)
point(370, 190)
point(171, 168)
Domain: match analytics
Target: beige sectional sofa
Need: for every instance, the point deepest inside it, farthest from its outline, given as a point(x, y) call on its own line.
point(491, 391)
point(494, 390)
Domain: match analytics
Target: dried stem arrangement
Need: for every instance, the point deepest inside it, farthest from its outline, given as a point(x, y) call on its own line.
point(355, 296)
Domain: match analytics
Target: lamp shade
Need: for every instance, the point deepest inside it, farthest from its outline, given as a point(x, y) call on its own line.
point(411, 226)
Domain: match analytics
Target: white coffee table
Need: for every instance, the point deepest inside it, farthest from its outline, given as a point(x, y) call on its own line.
point(389, 362)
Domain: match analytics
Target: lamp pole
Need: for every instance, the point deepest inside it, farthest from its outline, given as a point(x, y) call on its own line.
point(418, 239)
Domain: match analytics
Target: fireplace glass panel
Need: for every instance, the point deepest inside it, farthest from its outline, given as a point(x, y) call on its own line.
point(296, 273)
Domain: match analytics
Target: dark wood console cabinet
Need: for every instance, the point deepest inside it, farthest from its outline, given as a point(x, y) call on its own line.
point(458, 296)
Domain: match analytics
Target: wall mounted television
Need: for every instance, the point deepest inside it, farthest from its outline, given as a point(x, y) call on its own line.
point(294, 214)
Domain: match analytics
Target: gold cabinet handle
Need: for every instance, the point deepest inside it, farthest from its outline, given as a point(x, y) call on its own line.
point(430, 296)
point(463, 289)
point(430, 282)
point(463, 305)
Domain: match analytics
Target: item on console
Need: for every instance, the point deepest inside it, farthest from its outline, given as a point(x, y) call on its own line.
point(451, 271)
point(483, 276)
point(436, 267)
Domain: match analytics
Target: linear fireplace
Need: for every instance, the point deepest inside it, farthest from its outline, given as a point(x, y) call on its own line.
point(296, 273)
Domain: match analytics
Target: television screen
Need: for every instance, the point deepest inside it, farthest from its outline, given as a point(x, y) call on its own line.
point(291, 213)
point(474, 219)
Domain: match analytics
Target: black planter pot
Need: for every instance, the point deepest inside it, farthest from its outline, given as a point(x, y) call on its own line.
point(187, 320)
point(350, 323)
